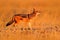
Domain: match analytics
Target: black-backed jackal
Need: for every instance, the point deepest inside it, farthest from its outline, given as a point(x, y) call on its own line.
point(25, 17)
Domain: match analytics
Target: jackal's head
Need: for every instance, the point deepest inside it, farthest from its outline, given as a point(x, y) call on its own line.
point(35, 12)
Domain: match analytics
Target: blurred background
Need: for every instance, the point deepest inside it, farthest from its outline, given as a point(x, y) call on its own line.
point(50, 15)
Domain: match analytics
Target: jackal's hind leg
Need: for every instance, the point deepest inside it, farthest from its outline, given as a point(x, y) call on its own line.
point(14, 24)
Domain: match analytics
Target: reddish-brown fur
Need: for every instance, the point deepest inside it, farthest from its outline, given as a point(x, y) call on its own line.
point(22, 17)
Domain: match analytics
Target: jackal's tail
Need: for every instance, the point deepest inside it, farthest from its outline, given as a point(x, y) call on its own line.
point(10, 22)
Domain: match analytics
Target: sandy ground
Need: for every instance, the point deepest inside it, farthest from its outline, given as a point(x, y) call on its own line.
point(45, 26)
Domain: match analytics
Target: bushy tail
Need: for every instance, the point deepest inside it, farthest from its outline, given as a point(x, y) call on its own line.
point(10, 22)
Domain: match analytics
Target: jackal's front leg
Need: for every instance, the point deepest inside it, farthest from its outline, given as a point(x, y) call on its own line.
point(29, 25)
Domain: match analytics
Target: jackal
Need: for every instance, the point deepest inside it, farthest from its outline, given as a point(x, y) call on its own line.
point(25, 17)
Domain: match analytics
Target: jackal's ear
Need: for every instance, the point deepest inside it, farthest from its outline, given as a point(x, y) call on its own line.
point(33, 9)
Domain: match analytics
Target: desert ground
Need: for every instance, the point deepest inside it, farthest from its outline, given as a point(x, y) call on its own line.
point(45, 26)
